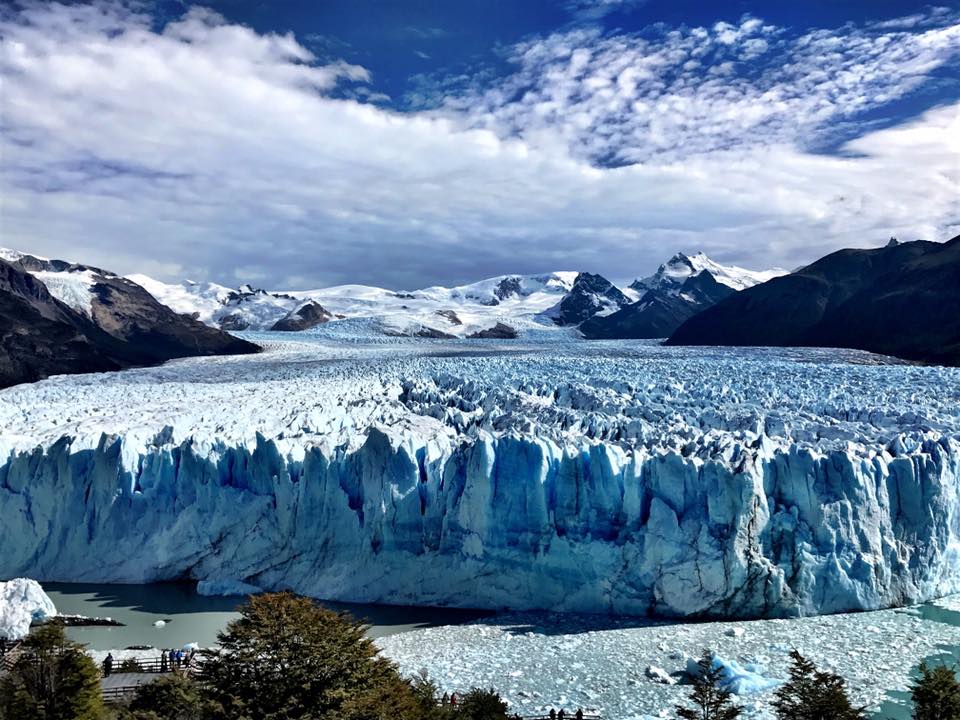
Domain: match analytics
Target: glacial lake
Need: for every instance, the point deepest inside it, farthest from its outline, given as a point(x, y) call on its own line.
point(897, 707)
point(191, 618)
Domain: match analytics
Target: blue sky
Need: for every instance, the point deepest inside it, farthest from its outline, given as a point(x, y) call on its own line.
point(301, 144)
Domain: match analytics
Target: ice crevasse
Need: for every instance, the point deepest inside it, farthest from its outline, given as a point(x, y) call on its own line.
point(497, 520)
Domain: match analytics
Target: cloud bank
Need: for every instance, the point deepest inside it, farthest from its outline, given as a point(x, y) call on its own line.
point(203, 149)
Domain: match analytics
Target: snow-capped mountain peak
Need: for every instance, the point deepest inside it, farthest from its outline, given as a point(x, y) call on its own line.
point(508, 300)
point(670, 276)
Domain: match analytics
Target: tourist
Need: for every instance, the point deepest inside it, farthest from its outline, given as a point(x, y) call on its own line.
point(179, 659)
point(579, 715)
point(561, 715)
point(553, 714)
point(453, 699)
point(173, 659)
point(163, 661)
point(108, 665)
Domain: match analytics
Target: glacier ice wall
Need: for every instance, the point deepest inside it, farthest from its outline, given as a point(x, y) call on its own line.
point(498, 522)
point(529, 492)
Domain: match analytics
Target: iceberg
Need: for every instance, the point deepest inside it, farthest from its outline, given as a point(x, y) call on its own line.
point(22, 602)
point(737, 678)
point(633, 480)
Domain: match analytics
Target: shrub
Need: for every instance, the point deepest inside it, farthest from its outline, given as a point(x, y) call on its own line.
point(129, 665)
point(936, 694)
point(53, 679)
point(709, 700)
point(168, 697)
point(812, 694)
point(286, 657)
point(482, 705)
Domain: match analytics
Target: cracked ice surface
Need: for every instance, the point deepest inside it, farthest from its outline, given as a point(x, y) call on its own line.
point(538, 662)
point(540, 473)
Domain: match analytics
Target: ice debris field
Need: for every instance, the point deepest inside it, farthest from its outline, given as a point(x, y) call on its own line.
point(541, 473)
point(633, 670)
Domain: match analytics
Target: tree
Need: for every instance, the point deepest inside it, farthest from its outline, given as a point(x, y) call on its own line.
point(427, 696)
point(168, 697)
point(710, 701)
point(288, 658)
point(812, 694)
point(53, 679)
point(482, 705)
point(936, 694)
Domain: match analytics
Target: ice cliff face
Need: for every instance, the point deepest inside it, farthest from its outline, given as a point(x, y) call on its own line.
point(629, 479)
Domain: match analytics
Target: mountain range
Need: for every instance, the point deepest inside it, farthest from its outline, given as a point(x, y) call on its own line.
point(652, 307)
point(903, 300)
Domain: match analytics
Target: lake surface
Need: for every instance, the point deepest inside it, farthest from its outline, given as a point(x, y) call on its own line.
point(192, 618)
point(898, 706)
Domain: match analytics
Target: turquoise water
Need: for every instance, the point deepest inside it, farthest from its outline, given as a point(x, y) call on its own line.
point(189, 617)
point(897, 707)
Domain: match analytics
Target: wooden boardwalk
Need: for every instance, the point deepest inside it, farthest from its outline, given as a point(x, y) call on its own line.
point(119, 686)
point(11, 651)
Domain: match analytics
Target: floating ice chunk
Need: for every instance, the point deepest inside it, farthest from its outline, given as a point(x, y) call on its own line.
point(159, 623)
point(736, 678)
point(659, 675)
point(22, 601)
point(735, 632)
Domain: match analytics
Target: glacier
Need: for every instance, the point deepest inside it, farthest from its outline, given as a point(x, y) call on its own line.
point(611, 477)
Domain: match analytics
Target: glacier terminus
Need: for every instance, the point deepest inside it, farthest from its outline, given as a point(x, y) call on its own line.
point(541, 473)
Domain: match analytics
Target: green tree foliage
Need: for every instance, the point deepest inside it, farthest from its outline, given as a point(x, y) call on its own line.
point(812, 694)
point(936, 694)
point(288, 658)
point(172, 696)
point(709, 700)
point(53, 679)
point(481, 705)
point(129, 665)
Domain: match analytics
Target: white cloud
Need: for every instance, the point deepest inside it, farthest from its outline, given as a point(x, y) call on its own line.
point(205, 150)
point(684, 91)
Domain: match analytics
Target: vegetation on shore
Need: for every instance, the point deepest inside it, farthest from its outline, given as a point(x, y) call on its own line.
point(286, 658)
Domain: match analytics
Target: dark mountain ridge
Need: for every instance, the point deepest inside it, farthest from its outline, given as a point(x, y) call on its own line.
point(126, 326)
point(658, 312)
point(901, 300)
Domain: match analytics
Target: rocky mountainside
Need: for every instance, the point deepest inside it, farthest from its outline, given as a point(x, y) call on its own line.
point(309, 314)
point(658, 313)
point(901, 300)
point(42, 336)
point(590, 295)
point(58, 317)
point(681, 288)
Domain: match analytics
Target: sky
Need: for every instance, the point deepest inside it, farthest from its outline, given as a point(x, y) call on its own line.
point(297, 145)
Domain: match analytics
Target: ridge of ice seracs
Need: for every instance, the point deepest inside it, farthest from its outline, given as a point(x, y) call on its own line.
point(616, 477)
